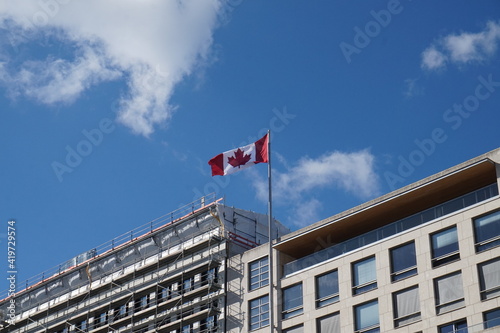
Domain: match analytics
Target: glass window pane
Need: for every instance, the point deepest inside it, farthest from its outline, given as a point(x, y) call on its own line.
point(366, 315)
point(444, 247)
point(406, 306)
point(292, 301)
point(449, 292)
point(259, 275)
point(489, 279)
point(487, 229)
point(456, 327)
point(492, 318)
point(364, 275)
point(364, 271)
point(259, 312)
point(403, 259)
point(292, 297)
point(327, 288)
point(444, 242)
point(329, 324)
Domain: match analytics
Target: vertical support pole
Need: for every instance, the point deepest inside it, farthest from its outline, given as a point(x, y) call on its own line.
point(270, 233)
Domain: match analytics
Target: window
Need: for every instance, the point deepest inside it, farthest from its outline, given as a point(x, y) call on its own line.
point(403, 261)
point(187, 285)
point(492, 318)
point(212, 275)
point(487, 231)
point(328, 324)
point(259, 312)
point(82, 326)
point(186, 328)
point(209, 277)
point(292, 301)
point(208, 325)
point(259, 273)
point(144, 301)
point(365, 277)
point(456, 327)
point(366, 317)
point(489, 279)
point(406, 306)
point(123, 311)
point(327, 288)
point(449, 292)
point(141, 303)
point(103, 319)
point(296, 329)
point(444, 247)
point(165, 294)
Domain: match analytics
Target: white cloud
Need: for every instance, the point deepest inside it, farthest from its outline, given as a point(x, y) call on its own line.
point(463, 48)
point(351, 172)
point(153, 44)
point(433, 59)
point(305, 213)
point(55, 81)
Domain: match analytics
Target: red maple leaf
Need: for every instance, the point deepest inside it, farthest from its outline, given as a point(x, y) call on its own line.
point(239, 158)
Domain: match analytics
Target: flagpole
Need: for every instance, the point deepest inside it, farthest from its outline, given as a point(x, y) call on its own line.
point(270, 232)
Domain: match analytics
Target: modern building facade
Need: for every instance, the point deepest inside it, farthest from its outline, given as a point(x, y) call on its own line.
point(166, 276)
point(425, 258)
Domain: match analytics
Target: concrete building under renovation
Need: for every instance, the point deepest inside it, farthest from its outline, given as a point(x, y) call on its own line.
point(166, 276)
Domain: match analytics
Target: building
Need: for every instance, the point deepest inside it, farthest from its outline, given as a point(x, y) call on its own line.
point(424, 258)
point(168, 275)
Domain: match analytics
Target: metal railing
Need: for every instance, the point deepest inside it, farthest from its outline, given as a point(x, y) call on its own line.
point(391, 229)
point(132, 235)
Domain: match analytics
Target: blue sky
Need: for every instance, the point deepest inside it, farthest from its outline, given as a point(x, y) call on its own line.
point(110, 112)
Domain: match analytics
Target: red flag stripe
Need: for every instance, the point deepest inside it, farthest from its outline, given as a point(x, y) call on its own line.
point(261, 150)
point(217, 164)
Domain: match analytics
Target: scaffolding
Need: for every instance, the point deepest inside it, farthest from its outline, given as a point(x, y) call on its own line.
point(169, 279)
point(165, 276)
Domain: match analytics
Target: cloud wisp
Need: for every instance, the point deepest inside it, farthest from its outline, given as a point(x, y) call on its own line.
point(350, 172)
point(152, 45)
point(463, 48)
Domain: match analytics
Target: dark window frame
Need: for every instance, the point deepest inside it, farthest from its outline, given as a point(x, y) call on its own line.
point(364, 287)
point(374, 328)
point(260, 323)
point(289, 312)
point(491, 322)
point(330, 298)
point(407, 319)
point(482, 239)
point(406, 272)
point(450, 305)
point(258, 273)
point(492, 292)
point(456, 326)
point(439, 259)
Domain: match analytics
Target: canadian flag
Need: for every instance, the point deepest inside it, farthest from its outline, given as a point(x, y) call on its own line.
point(240, 158)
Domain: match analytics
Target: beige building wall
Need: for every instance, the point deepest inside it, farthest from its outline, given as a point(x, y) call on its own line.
point(472, 310)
